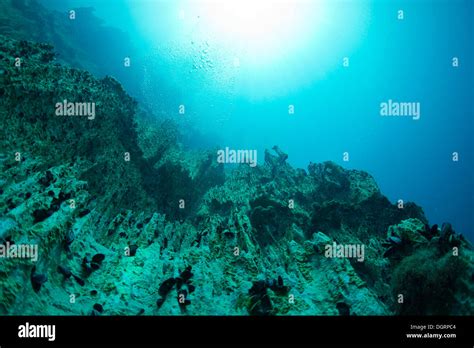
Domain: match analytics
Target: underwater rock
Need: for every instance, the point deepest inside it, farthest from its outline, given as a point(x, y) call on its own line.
point(430, 279)
point(186, 274)
point(78, 280)
point(160, 302)
point(166, 286)
point(277, 286)
point(278, 218)
point(133, 249)
point(41, 214)
point(260, 303)
point(47, 179)
point(98, 258)
point(92, 264)
point(37, 279)
point(408, 231)
point(68, 240)
point(271, 219)
point(343, 308)
point(83, 213)
point(430, 232)
point(98, 307)
point(404, 237)
point(66, 272)
point(95, 313)
point(282, 156)
point(394, 240)
point(183, 287)
point(7, 226)
point(446, 231)
point(320, 240)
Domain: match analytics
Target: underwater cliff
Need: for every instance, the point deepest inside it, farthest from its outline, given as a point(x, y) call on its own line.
point(129, 222)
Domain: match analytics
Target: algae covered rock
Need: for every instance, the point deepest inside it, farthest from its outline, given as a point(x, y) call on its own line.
point(433, 284)
point(127, 221)
point(408, 231)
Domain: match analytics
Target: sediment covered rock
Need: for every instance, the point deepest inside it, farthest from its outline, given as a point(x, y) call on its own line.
point(127, 222)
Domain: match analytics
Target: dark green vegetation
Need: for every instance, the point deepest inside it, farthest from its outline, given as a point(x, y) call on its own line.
point(112, 233)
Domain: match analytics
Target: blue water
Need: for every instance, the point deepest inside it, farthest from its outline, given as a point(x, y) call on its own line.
point(238, 96)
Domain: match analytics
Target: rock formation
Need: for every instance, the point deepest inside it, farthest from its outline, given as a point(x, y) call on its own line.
point(127, 222)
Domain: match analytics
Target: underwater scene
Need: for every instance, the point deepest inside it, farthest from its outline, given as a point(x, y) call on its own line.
point(236, 158)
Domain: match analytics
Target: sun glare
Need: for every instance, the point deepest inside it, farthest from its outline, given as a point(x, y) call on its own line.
point(258, 27)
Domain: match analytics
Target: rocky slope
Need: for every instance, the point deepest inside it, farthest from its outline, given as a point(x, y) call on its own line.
point(84, 42)
point(129, 223)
